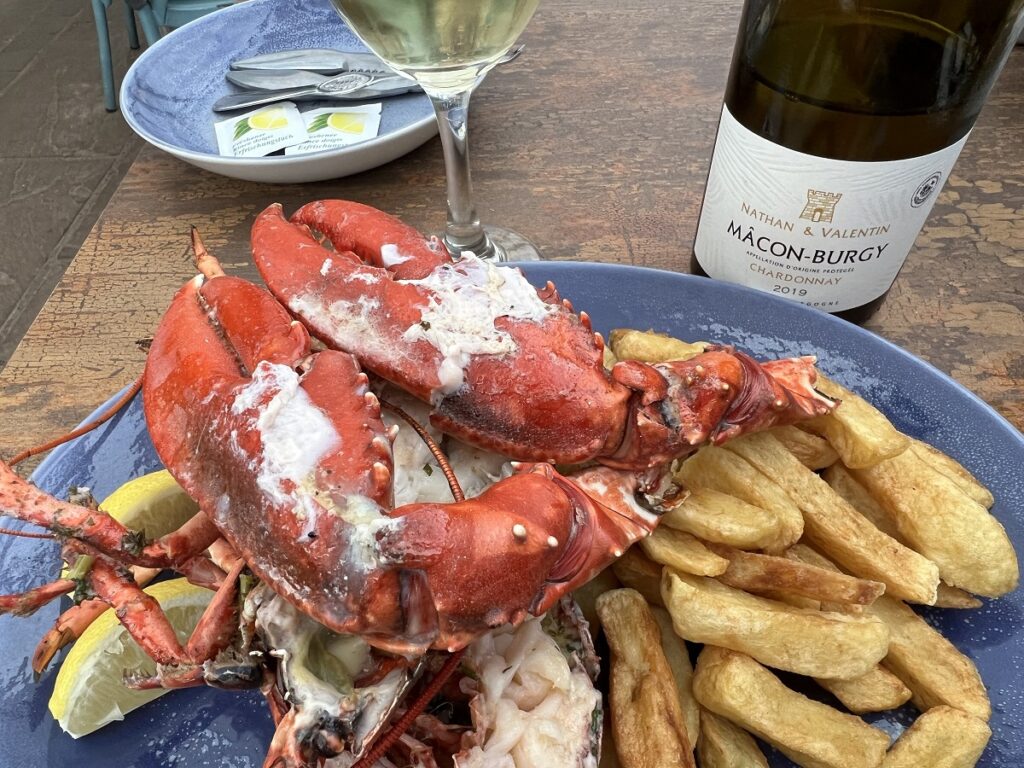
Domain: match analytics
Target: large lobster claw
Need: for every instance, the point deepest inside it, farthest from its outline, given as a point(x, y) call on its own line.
point(505, 366)
point(275, 444)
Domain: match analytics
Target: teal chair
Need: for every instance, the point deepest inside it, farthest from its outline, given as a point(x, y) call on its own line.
point(153, 15)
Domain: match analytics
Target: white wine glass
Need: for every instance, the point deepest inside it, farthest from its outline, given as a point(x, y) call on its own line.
point(448, 47)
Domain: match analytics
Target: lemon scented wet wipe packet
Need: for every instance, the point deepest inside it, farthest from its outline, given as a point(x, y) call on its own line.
point(261, 132)
point(332, 127)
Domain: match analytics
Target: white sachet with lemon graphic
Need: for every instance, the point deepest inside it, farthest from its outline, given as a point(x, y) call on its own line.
point(261, 131)
point(333, 127)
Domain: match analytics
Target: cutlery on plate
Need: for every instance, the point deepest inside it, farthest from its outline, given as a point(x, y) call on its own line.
point(276, 80)
point(323, 61)
point(326, 61)
point(350, 86)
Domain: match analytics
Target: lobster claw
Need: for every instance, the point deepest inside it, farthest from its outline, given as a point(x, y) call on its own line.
point(497, 359)
point(274, 443)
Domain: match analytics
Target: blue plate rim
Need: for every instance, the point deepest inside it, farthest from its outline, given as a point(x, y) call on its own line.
point(415, 127)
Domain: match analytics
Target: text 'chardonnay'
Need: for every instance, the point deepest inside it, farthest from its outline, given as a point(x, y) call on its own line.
point(842, 121)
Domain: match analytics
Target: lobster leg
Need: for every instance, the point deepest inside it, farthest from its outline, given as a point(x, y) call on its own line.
point(139, 613)
point(28, 602)
point(99, 531)
point(212, 634)
point(70, 625)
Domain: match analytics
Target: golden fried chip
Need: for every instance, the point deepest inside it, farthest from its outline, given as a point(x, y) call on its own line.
point(814, 452)
point(768, 573)
point(954, 597)
point(682, 551)
point(809, 733)
point(782, 636)
point(715, 516)
point(931, 666)
point(943, 737)
point(721, 470)
point(838, 530)
point(637, 571)
point(859, 432)
point(955, 471)
point(651, 347)
point(723, 745)
point(647, 720)
point(678, 658)
point(843, 483)
point(945, 525)
point(876, 691)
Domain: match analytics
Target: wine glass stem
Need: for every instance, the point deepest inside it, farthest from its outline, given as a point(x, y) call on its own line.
point(463, 231)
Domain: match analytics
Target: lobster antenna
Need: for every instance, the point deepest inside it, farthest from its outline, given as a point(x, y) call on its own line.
point(442, 460)
point(25, 534)
point(98, 421)
point(402, 724)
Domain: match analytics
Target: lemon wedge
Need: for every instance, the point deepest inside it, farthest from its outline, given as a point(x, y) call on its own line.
point(89, 692)
point(347, 122)
point(269, 119)
point(154, 504)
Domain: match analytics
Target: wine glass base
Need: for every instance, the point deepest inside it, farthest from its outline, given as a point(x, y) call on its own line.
point(511, 246)
point(503, 245)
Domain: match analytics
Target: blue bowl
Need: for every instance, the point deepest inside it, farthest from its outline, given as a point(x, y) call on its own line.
point(168, 94)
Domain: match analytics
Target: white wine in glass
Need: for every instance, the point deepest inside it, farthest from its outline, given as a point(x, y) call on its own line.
point(448, 46)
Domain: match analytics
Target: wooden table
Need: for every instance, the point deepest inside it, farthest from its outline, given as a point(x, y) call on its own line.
point(579, 147)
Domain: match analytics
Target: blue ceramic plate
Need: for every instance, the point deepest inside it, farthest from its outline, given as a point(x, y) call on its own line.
point(203, 727)
point(167, 95)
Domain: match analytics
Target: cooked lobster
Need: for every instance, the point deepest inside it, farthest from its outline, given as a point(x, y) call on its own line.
point(286, 452)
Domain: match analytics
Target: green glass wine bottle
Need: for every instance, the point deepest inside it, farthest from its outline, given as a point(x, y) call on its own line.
point(842, 121)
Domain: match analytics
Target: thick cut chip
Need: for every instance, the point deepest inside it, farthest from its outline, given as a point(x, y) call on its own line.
point(637, 571)
point(723, 745)
point(931, 666)
point(768, 573)
point(651, 347)
point(859, 432)
point(954, 597)
point(945, 525)
point(647, 720)
point(715, 516)
point(814, 452)
point(838, 530)
point(876, 691)
point(678, 658)
point(782, 636)
point(721, 470)
point(843, 483)
point(955, 471)
point(943, 737)
point(683, 552)
point(809, 733)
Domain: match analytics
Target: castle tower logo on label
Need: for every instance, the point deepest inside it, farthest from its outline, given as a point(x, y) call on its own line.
point(821, 206)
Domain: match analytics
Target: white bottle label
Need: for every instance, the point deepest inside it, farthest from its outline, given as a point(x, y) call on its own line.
point(829, 233)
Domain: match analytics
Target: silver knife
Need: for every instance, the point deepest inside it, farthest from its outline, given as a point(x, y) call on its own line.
point(273, 80)
point(350, 86)
point(323, 61)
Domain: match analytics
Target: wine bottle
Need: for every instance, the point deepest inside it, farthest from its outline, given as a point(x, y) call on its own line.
point(842, 121)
